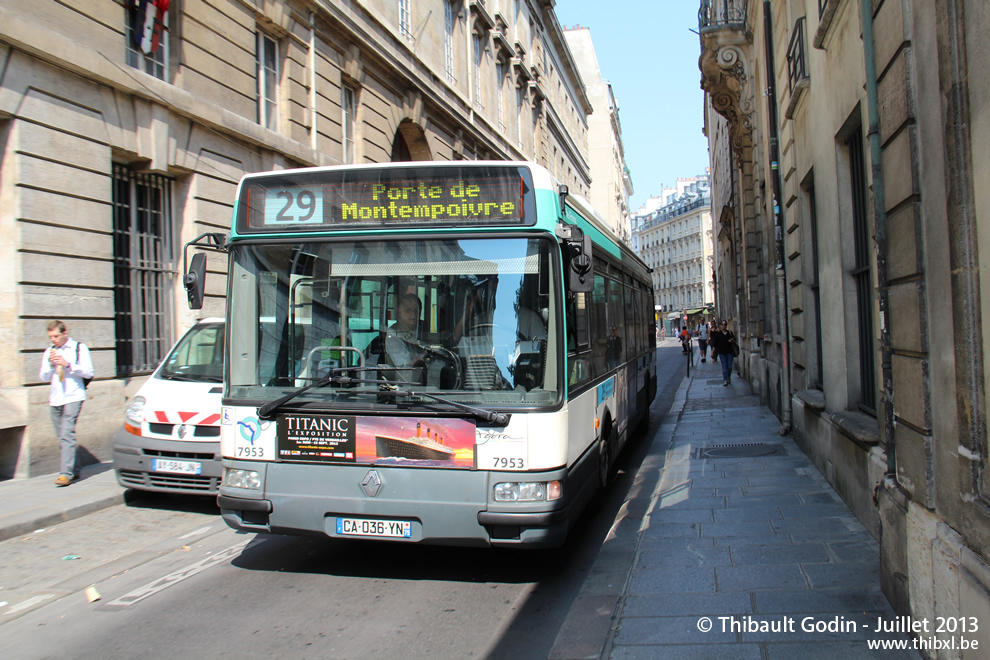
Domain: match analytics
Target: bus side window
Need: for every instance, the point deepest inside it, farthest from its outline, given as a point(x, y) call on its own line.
point(578, 346)
point(615, 314)
point(599, 321)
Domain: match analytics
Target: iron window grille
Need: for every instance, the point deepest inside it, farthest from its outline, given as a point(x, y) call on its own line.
point(796, 71)
point(142, 268)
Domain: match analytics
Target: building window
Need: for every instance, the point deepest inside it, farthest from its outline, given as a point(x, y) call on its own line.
point(478, 53)
point(348, 110)
point(499, 100)
point(448, 37)
point(519, 120)
point(147, 39)
point(817, 375)
point(142, 272)
point(861, 272)
point(405, 19)
point(796, 71)
point(267, 56)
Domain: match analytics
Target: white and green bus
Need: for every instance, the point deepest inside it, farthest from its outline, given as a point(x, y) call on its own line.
point(449, 353)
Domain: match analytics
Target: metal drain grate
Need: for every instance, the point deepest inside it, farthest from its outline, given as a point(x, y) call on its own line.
point(751, 450)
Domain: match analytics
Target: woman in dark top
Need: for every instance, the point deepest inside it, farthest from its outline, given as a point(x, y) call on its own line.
point(723, 343)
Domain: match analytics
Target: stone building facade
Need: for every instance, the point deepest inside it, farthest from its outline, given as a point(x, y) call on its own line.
point(848, 189)
point(611, 183)
point(118, 147)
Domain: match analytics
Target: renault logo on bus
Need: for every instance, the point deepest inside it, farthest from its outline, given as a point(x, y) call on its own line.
point(372, 483)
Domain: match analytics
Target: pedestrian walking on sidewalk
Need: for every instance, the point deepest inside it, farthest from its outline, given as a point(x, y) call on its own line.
point(723, 343)
point(703, 341)
point(65, 365)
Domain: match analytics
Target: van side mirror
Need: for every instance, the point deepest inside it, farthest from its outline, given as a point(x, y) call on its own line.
point(195, 281)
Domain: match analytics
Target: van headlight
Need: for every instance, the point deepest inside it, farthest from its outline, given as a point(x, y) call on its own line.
point(528, 491)
point(134, 415)
point(241, 478)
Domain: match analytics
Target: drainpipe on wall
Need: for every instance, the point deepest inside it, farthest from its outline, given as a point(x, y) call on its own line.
point(311, 63)
point(778, 224)
point(880, 220)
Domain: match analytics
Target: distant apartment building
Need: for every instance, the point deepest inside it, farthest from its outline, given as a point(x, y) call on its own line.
point(120, 145)
point(673, 235)
point(611, 183)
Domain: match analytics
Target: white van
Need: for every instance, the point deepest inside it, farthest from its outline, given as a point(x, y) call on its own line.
point(170, 440)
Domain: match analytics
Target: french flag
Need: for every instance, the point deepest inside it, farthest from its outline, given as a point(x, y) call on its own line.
point(149, 24)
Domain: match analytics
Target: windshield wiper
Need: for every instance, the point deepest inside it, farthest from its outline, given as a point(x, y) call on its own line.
point(185, 379)
point(500, 419)
point(384, 386)
point(267, 411)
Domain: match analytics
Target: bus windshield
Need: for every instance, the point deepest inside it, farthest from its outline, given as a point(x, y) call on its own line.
point(471, 318)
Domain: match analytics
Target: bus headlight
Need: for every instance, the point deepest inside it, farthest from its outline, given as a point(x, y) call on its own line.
point(528, 491)
point(241, 479)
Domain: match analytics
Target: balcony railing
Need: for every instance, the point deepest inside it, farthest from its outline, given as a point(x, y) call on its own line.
point(722, 13)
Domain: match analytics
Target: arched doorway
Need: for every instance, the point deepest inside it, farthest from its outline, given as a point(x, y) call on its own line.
point(409, 143)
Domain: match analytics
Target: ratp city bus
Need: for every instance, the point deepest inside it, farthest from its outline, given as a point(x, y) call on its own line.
point(448, 353)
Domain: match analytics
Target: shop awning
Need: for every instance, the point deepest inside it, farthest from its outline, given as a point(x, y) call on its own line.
point(691, 312)
point(673, 315)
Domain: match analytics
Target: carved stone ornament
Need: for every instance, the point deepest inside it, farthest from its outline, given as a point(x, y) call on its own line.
point(725, 75)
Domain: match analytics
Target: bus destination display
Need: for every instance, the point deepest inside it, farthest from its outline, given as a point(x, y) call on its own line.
point(457, 200)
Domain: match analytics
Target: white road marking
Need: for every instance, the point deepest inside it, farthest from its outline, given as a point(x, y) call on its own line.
point(201, 530)
point(30, 602)
point(163, 583)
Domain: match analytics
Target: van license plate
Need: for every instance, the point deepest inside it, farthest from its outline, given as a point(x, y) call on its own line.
point(179, 467)
point(387, 528)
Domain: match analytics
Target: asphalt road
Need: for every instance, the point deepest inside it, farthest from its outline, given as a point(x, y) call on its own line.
point(172, 579)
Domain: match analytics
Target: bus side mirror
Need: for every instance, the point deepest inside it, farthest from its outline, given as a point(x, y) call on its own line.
point(195, 281)
point(577, 254)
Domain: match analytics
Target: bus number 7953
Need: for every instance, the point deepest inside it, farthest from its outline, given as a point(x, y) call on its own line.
point(509, 463)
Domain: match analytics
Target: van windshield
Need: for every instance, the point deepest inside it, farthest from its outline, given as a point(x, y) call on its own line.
point(198, 357)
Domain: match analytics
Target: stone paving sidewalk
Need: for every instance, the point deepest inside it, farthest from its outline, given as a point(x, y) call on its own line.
point(730, 545)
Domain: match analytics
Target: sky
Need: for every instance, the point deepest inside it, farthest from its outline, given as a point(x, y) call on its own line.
point(646, 49)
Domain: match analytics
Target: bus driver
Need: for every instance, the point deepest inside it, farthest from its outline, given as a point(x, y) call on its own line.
point(402, 341)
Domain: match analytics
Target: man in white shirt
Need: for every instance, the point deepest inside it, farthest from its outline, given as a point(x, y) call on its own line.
point(65, 365)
